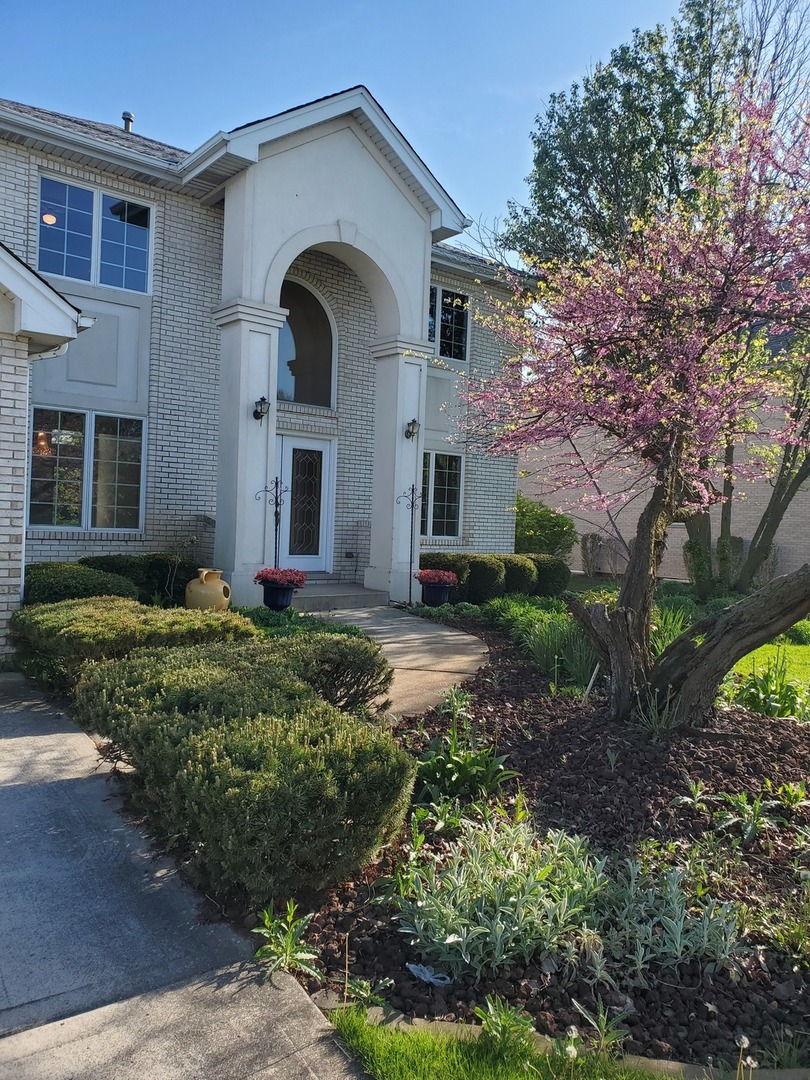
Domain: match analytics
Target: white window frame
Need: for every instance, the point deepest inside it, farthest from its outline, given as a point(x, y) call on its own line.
point(427, 497)
point(302, 406)
point(95, 250)
point(87, 473)
point(436, 343)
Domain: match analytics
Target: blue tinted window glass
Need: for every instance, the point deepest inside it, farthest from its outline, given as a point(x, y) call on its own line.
point(80, 245)
point(112, 253)
point(135, 279)
point(54, 192)
point(77, 268)
point(125, 232)
point(51, 262)
point(79, 199)
point(51, 239)
point(112, 275)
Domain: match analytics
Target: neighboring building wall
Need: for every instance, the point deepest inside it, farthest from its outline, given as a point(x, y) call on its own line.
point(750, 500)
point(177, 353)
point(14, 440)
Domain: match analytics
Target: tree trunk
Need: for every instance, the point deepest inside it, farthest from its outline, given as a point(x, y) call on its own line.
point(622, 636)
point(689, 672)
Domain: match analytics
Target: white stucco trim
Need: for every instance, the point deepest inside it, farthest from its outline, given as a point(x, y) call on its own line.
point(41, 314)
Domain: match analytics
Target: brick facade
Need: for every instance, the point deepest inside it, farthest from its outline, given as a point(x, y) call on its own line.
point(14, 440)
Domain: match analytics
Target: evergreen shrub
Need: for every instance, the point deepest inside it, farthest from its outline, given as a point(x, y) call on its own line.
point(520, 574)
point(553, 575)
point(54, 640)
point(487, 578)
point(156, 573)
point(50, 582)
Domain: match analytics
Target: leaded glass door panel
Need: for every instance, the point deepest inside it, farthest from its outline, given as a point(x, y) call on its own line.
point(306, 513)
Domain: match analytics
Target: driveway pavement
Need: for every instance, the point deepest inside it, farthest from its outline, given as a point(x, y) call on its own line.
point(106, 968)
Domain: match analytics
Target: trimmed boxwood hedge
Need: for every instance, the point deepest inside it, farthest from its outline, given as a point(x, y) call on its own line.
point(50, 582)
point(54, 640)
point(553, 575)
point(485, 577)
point(155, 573)
point(271, 790)
point(521, 574)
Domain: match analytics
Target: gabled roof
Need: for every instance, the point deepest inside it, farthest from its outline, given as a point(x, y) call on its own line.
point(202, 172)
point(41, 314)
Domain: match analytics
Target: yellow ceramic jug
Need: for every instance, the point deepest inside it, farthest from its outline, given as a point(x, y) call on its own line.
point(208, 590)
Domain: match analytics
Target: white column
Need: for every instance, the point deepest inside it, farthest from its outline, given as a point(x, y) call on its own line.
point(247, 448)
point(399, 398)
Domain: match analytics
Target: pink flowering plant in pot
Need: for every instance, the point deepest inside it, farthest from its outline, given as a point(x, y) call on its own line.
point(437, 577)
point(291, 579)
point(279, 585)
point(436, 586)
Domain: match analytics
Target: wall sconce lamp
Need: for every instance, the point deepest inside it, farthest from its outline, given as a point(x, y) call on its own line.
point(262, 409)
point(412, 429)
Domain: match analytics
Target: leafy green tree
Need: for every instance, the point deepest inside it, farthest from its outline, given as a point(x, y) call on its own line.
point(541, 530)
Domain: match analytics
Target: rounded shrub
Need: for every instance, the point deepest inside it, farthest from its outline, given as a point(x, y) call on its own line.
point(553, 575)
point(675, 602)
point(348, 672)
point(274, 806)
point(799, 633)
point(539, 529)
point(487, 578)
point(520, 574)
point(49, 582)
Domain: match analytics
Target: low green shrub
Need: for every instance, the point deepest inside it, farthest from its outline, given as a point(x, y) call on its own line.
point(274, 807)
point(50, 582)
point(674, 588)
point(223, 680)
point(719, 603)
point(799, 633)
point(289, 622)
point(769, 691)
point(487, 578)
point(520, 574)
point(157, 574)
point(54, 640)
point(685, 604)
point(553, 575)
point(456, 562)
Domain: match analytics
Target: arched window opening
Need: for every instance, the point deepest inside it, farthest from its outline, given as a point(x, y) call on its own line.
point(305, 349)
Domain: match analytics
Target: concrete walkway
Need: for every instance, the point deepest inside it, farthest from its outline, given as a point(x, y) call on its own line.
point(427, 657)
point(106, 968)
point(107, 971)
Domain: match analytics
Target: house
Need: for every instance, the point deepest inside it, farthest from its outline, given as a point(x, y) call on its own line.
point(276, 310)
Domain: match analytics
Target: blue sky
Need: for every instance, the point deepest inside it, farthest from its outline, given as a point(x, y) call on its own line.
point(462, 81)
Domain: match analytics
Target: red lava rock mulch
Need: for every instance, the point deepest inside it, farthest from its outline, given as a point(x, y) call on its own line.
point(615, 787)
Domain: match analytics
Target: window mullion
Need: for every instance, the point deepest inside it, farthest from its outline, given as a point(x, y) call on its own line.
point(89, 459)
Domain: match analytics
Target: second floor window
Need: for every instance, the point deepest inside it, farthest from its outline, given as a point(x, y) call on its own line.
point(447, 323)
point(92, 236)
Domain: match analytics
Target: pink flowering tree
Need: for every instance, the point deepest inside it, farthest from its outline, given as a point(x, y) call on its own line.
point(636, 373)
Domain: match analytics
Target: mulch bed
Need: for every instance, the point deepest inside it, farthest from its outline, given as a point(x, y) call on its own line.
point(615, 787)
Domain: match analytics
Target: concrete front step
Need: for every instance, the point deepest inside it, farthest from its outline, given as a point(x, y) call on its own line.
point(337, 596)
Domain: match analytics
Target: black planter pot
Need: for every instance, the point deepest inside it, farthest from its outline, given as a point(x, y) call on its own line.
point(435, 595)
point(277, 597)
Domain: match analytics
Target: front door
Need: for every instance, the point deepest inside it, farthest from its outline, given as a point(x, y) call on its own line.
point(307, 509)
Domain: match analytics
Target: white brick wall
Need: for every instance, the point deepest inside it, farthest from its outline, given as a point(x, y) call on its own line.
point(180, 453)
point(14, 440)
point(181, 432)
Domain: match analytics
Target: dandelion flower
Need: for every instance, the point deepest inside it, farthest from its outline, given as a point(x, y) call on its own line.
point(571, 1052)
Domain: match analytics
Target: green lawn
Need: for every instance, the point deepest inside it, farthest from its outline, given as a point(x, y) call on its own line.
point(393, 1054)
point(797, 657)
